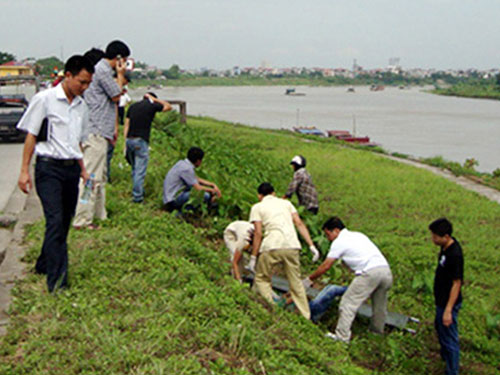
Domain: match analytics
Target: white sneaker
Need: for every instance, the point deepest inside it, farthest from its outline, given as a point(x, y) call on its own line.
point(334, 337)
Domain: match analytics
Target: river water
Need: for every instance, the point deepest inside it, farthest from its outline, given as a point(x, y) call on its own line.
point(409, 121)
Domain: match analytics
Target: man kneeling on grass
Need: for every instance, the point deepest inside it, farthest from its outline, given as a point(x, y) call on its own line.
point(181, 178)
point(373, 277)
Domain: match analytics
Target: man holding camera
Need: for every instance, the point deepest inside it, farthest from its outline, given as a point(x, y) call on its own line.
point(101, 97)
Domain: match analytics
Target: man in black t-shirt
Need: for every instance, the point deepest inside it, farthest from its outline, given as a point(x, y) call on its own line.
point(447, 292)
point(136, 132)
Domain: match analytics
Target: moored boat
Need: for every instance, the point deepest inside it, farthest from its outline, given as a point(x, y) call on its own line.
point(292, 92)
point(309, 130)
point(346, 136)
point(377, 87)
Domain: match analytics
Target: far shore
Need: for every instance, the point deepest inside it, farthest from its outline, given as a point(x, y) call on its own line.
point(272, 81)
point(460, 91)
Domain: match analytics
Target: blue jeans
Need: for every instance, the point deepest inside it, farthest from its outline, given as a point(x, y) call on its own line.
point(138, 157)
point(448, 339)
point(183, 197)
point(324, 299)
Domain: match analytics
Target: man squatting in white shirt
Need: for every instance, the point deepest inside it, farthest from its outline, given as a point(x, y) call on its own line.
point(373, 276)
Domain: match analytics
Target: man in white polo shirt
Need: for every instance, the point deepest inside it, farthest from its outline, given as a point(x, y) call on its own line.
point(373, 277)
point(59, 161)
point(276, 240)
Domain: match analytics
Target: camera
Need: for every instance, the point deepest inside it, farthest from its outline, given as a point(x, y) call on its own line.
point(130, 64)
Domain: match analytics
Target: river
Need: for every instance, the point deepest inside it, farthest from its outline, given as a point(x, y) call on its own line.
point(408, 121)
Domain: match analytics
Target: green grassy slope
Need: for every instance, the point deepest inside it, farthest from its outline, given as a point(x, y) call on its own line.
point(150, 294)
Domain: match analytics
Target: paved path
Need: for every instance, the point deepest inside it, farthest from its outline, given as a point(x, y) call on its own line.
point(10, 165)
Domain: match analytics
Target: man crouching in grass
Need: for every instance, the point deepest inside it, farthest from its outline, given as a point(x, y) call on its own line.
point(373, 277)
point(447, 292)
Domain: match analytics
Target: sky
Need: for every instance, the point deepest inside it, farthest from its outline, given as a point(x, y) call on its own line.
point(219, 34)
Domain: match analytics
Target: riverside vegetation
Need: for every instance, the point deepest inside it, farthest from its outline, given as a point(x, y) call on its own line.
point(308, 79)
point(471, 90)
point(151, 294)
point(474, 87)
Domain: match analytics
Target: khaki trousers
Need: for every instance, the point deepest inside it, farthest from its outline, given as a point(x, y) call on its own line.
point(94, 159)
point(373, 283)
point(291, 264)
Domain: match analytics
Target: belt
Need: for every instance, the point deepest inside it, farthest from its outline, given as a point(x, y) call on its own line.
point(135, 138)
point(363, 272)
point(62, 162)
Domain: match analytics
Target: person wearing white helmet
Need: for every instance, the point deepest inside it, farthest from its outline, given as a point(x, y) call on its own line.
point(302, 185)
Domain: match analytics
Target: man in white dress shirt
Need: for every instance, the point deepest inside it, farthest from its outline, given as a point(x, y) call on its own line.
point(56, 123)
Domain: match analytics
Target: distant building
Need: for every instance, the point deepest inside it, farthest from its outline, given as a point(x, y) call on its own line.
point(328, 73)
point(14, 68)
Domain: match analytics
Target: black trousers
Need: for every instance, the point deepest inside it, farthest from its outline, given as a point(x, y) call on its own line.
point(57, 186)
point(313, 210)
point(121, 114)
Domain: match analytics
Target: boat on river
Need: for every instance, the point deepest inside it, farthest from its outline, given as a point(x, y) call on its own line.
point(377, 88)
point(346, 136)
point(292, 92)
point(309, 130)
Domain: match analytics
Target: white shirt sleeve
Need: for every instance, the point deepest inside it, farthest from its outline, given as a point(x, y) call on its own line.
point(31, 121)
point(291, 207)
point(336, 250)
point(255, 214)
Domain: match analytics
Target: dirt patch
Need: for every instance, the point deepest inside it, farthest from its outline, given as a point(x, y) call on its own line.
point(209, 356)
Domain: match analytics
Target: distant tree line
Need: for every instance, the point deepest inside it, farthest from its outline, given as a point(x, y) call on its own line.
point(5, 57)
point(473, 82)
